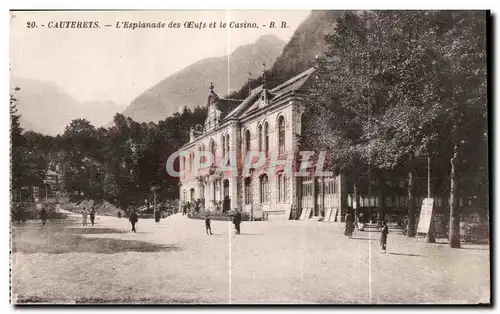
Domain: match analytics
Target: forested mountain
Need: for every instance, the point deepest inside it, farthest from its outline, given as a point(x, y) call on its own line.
point(189, 87)
point(299, 54)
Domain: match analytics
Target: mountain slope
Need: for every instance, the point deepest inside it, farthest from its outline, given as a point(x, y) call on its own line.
point(299, 53)
point(307, 42)
point(189, 87)
point(47, 109)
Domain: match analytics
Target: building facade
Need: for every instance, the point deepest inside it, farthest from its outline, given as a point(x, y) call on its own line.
point(256, 158)
point(249, 159)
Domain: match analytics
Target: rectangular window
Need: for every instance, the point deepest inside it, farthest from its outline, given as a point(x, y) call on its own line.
point(248, 195)
point(280, 187)
point(285, 189)
point(264, 190)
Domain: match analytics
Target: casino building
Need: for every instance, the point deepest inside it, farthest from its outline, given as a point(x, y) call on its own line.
point(267, 124)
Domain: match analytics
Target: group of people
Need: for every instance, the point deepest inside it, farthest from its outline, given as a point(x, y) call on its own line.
point(237, 218)
point(351, 222)
point(86, 213)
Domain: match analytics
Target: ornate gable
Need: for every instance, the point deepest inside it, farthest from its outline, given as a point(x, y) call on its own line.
point(213, 114)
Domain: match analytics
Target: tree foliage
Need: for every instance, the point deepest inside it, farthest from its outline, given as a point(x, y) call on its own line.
point(395, 86)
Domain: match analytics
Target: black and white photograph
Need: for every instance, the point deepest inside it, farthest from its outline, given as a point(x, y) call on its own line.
point(207, 157)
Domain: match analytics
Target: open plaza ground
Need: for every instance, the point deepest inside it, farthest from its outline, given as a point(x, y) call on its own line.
point(175, 261)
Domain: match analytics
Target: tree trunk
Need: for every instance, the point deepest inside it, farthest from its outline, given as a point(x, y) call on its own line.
point(355, 204)
point(411, 207)
point(381, 201)
point(431, 234)
point(454, 232)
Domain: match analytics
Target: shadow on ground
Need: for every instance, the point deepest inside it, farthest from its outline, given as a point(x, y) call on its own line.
point(67, 238)
point(25, 301)
point(403, 254)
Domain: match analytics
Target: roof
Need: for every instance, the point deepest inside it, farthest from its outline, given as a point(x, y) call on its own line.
point(297, 83)
point(235, 109)
point(51, 173)
point(226, 106)
point(254, 94)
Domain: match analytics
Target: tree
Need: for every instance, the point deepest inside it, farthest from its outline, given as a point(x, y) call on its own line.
point(386, 91)
point(27, 167)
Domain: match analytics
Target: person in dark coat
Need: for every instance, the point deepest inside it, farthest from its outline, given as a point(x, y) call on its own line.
point(157, 216)
point(226, 204)
point(133, 219)
point(349, 225)
point(119, 214)
point(383, 238)
point(43, 215)
point(92, 216)
point(207, 225)
point(237, 221)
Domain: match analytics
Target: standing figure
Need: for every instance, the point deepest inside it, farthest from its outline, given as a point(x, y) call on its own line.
point(405, 226)
point(133, 219)
point(92, 216)
point(349, 225)
point(207, 225)
point(119, 213)
point(237, 221)
point(226, 204)
point(383, 238)
point(84, 217)
point(43, 215)
point(157, 215)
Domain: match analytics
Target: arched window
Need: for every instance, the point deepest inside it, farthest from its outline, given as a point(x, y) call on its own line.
point(191, 163)
point(227, 148)
point(280, 187)
point(202, 191)
point(223, 146)
point(247, 140)
point(260, 137)
point(248, 190)
point(281, 134)
point(266, 138)
point(264, 189)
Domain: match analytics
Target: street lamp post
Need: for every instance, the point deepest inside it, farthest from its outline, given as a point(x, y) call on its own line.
point(428, 177)
point(431, 237)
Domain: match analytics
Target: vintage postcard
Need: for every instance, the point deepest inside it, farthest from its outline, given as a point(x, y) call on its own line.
point(249, 157)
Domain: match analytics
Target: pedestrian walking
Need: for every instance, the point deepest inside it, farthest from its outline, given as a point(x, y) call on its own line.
point(349, 225)
point(237, 221)
point(43, 215)
point(84, 217)
point(383, 238)
point(119, 214)
point(207, 225)
point(92, 216)
point(157, 216)
point(133, 219)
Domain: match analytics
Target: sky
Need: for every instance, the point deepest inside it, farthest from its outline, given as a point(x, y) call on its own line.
point(118, 64)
